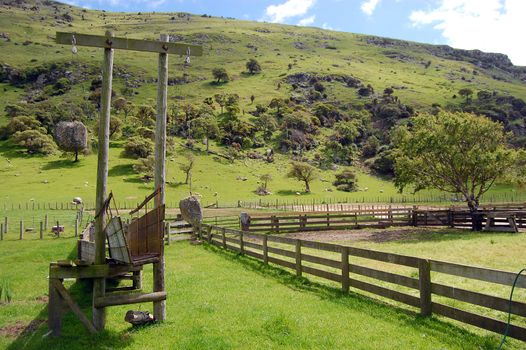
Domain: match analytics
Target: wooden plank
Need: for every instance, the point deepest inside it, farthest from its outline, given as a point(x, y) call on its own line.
point(480, 299)
point(254, 254)
point(90, 271)
point(126, 299)
point(283, 252)
point(424, 279)
point(478, 273)
point(265, 249)
point(479, 321)
point(323, 274)
point(322, 261)
point(283, 263)
point(252, 245)
point(322, 246)
point(128, 44)
point(384, 292)
point(279, 239)
point(384, 276)
point(73, 305)
point(386, 257)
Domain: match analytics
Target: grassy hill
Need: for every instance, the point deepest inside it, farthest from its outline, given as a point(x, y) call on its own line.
point(421, 77)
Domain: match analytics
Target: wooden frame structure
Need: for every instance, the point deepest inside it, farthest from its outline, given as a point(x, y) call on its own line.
point(100, 271)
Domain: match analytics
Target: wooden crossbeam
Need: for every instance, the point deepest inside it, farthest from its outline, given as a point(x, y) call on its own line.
point(128, 44)
point(91, 271)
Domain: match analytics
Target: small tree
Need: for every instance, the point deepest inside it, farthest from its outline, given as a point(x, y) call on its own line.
point(253, 66)
point(72, 137)
point(265, 178)
point(459, 153)
point(204, 127)
point(345, 181)
point(220, 74)
point(302, 172)
point(221, 101)
point(35, 141)
point(187, 166)
point(466, 93)
point(138, 147)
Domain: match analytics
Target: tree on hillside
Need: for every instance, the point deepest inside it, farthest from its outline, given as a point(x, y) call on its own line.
point(466, 93)
point(220, 74)
point(460, 153)
point(253, 66)
point(72, 137)
point(187, 165)
point(204, 127)
point(302, 172)
point(262, 189)
point(221, 101)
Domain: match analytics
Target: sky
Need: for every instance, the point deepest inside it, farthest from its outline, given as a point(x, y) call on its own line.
point(487, 25)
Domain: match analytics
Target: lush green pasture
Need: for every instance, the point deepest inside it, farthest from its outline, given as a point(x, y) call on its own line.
point(53, 179)
point(218, 300)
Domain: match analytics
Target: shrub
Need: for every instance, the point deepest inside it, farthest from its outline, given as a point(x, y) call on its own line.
point(138, 147)
point(35, 141)
point(220, 74)
point(72, 137)
point(145, 167)
point(345, 181)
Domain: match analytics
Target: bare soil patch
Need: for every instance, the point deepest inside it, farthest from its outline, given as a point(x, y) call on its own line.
point(19, 328)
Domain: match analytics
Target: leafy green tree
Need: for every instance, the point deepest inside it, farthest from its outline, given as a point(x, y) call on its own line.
point(303, 172)
point(265, 179)
point(345, 181)
point(253, 66)
point(461, 153)
point(466, 93)
point(35, 141)
point(267, 124)
point(221, 101)
point(145, 167)
point(204, 127)
point(232, 104)
point(220, 74)
point(23, 123)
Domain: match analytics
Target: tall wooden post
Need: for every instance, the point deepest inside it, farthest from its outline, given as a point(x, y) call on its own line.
point(99, 314)
point(159, 307)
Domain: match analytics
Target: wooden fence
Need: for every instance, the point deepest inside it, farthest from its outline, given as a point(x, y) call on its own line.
point(330, 220)
point(300, 256)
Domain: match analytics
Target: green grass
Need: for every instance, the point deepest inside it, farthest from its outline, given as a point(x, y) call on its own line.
point(219, 300)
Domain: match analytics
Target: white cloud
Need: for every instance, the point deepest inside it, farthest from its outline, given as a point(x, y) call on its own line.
point(327, 26)
point(489, 25)
point(369, 6)
point(307, 21)
point(290, 8)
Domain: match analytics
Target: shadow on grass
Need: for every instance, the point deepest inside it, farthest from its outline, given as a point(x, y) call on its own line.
point(121, 170)
point(64, 163)
point(290, 193)
point(74, 335)
point(428, 326)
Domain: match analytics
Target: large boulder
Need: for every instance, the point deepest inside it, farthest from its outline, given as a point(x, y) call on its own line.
point(191, 210)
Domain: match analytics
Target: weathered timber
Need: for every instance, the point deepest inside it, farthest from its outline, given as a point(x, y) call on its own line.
point(424, 283)
point(73, 305)
point(125, 299)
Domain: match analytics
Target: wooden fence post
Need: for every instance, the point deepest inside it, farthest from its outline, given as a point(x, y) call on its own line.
point(55, 310)
point(167, 233)
point(1, 231)
point(209, 233)
point(6, 227)
point(265, 248)
point(241, 243)
point(414, 217)
point(58, 229)
point(345, 269)
point(298, 257)
point(224, 237)
point(424, 285)
point(45, 222)
point(41, 230)
point(21, 229)
point(77, 227)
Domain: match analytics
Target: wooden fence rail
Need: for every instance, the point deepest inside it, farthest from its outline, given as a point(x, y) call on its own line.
point(292, 254)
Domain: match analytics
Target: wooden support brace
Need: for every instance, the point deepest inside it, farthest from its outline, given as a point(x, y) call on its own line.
point(72, 305)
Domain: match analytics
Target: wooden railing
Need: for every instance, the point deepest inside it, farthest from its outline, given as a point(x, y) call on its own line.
point(330, 220)
point(300, 256)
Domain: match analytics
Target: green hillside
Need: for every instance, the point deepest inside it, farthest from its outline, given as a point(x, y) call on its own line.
point(371, 83)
